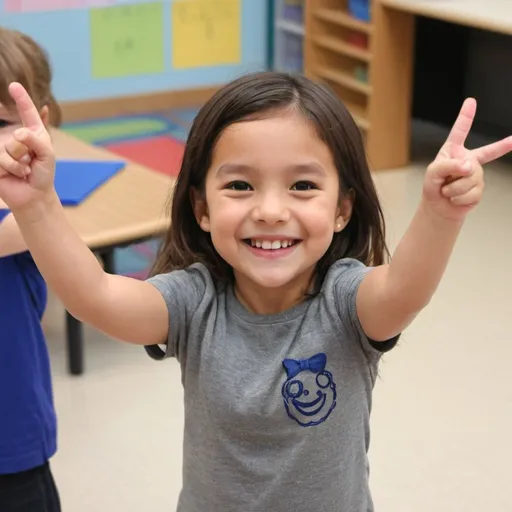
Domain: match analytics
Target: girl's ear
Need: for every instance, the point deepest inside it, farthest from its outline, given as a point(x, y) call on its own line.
point(344, 211)
point(200, 208)
point(45, 115)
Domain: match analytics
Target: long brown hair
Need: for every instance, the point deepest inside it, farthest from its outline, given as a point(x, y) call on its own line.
point(23, 60)
point(255, 96)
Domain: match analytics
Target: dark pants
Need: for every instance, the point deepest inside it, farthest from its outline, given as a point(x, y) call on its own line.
point(29, 491)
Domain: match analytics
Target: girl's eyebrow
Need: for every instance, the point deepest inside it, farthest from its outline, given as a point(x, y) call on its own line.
point(312, 168)
point(226, 169)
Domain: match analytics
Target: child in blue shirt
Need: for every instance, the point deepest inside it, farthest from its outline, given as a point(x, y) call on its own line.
point(28, 427)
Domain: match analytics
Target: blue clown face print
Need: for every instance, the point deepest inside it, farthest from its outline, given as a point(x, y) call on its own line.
point(309, 392)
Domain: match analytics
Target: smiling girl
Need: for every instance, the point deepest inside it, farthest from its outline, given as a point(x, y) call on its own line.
point(271, 288)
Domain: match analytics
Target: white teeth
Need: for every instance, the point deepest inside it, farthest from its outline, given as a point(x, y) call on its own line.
point(271, 245)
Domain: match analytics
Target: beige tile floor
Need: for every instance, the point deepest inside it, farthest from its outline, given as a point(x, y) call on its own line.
point(442, 417)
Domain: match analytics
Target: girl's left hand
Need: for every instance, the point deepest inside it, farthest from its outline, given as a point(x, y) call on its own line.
point(454, 181)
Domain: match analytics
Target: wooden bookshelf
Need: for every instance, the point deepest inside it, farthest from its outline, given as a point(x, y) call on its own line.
point(341, 18)
point(370, 78)
point(288, 35)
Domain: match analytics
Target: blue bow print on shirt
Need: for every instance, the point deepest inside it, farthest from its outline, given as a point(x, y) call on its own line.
point(315, 364)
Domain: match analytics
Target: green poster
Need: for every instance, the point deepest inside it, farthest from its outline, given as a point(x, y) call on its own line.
point(127, 40)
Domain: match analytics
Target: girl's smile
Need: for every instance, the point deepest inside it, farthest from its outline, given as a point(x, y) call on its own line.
point(271, 247)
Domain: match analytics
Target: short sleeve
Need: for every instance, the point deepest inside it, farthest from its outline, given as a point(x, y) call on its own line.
point(347, 276)
point(183, 291)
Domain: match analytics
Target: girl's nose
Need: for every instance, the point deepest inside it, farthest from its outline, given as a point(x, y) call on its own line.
point(271, 210)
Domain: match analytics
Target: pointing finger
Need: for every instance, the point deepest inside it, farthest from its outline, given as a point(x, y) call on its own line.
point(27, 111)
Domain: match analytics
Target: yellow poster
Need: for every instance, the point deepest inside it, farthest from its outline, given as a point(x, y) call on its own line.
point(205, 33)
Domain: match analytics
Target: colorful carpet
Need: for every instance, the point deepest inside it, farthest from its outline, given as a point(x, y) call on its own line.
point(162, 153)
point(155, 140)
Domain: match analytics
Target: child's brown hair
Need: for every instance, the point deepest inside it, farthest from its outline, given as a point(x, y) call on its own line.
point(262, 95)
point(23, 60)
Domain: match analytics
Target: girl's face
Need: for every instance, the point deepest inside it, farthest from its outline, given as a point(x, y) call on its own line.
point(272, 201)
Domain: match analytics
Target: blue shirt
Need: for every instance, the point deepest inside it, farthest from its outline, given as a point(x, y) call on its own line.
point(28, 426)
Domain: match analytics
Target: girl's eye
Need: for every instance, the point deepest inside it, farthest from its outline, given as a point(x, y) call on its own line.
point(4, 123)
point(240, 186)
point(302, 186)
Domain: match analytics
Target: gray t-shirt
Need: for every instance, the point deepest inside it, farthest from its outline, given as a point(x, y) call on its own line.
point(277, 407)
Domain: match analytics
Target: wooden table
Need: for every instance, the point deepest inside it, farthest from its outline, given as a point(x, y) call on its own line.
point(492, 15)
point(393, 43)
point(128, 208)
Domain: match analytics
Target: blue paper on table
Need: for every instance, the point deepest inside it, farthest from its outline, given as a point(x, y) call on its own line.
point(75, 180)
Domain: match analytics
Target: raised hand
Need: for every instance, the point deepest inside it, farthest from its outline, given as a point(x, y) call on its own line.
point(454, 181)
point(27, 160)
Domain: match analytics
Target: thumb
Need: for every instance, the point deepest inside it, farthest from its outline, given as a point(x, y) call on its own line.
point(36, 142)
point(16, 149)
point(451, 168)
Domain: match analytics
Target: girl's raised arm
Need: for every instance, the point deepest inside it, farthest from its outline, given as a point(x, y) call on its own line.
point(391, 296)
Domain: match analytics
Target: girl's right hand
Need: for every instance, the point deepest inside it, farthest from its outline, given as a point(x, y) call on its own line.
point(24, 181)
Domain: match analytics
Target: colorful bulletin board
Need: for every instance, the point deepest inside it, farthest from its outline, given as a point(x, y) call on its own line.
point(205, 33)
point(105, 48)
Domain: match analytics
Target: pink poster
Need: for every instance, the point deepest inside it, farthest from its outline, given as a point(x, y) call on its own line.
point(13, 5)
point(52, 5)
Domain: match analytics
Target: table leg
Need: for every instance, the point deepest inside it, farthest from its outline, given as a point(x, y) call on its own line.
point(108, 261)
point(74, 330)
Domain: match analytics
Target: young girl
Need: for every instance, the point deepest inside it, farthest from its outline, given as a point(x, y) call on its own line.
point(28, 435)
point(271, 287)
